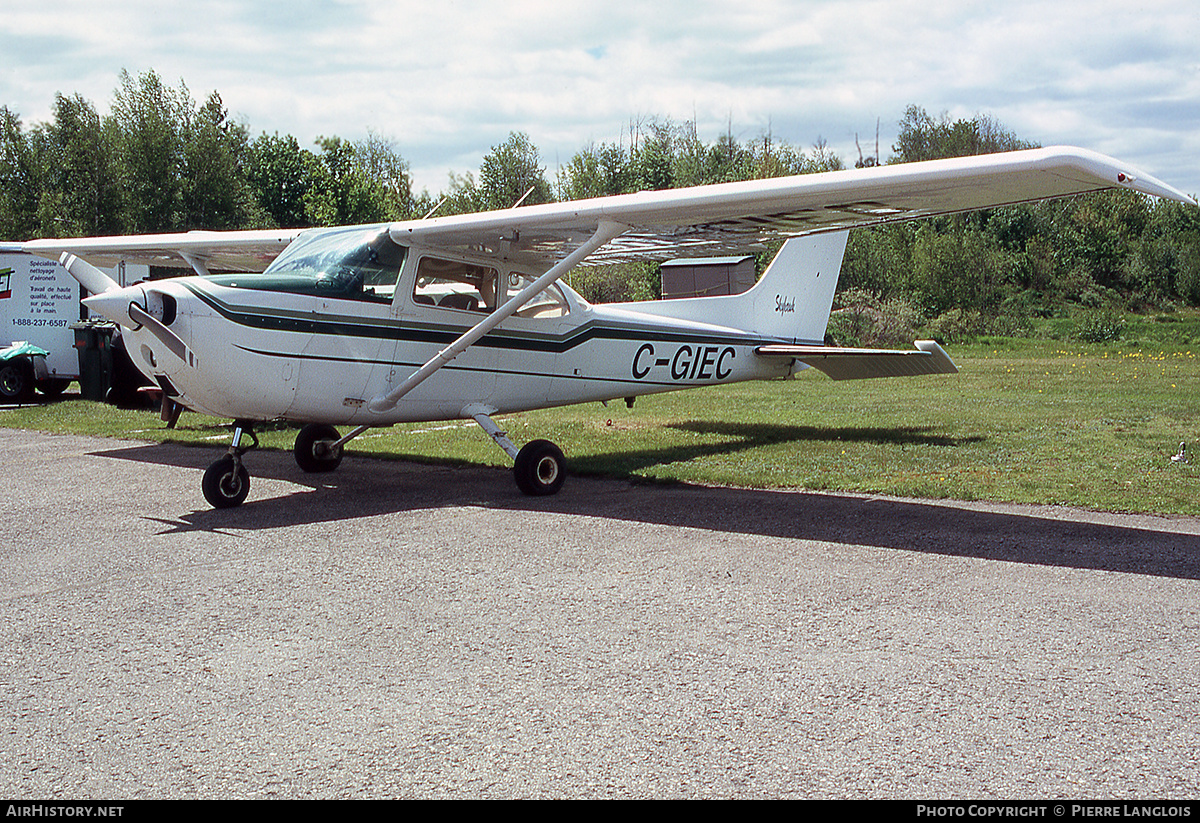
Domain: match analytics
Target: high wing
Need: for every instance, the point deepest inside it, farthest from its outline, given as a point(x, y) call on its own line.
point(716, 219)
point(220, 251)
point(684, 222)
point(698, 221)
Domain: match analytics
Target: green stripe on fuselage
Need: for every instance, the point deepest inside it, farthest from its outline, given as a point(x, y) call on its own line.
point(275, 319)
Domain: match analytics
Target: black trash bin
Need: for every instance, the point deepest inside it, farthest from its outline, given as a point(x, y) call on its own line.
point(93, 342)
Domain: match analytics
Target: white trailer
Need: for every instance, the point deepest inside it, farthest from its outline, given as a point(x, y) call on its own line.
point(39, 302)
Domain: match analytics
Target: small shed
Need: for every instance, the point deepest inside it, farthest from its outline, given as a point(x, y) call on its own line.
point(707, 276)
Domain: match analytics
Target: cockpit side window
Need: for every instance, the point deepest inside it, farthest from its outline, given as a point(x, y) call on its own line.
point(549, 302)
point(454, 284)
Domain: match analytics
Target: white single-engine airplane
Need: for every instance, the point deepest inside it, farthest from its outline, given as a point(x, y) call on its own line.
point(463, 317)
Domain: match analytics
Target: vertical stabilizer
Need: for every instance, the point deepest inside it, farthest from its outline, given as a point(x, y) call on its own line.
point(795, 294)
point(791, 301)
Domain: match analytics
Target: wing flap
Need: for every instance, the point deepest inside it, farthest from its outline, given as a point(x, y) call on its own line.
point(862, 364)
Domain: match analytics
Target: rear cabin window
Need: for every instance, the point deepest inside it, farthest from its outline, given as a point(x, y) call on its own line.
point(453, 284)
point(549, 302)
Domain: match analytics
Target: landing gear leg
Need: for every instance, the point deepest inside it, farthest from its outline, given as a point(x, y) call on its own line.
point(539, 468)
point(226, 482)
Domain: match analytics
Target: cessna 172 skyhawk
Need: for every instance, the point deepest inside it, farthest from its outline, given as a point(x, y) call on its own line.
point(463, 317)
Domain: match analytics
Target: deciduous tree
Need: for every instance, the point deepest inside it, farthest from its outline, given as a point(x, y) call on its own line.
point(18, 198)
point(150, 121)
point(511, 171)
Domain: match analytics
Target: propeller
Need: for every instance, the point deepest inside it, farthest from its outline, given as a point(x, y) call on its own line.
point(121, 306)
point(90, 277)
point(118, 305)
point(169, 338)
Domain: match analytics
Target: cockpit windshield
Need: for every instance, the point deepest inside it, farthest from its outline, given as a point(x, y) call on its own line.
point(357, 263)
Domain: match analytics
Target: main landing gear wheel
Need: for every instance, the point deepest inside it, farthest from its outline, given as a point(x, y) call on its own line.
point(226, 483)
point(314, 448)
point(540, 468)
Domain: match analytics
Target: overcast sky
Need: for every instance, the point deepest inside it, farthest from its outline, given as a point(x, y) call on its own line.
point(448, 80)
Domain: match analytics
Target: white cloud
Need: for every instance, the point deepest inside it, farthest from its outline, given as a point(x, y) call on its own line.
point(450, 80)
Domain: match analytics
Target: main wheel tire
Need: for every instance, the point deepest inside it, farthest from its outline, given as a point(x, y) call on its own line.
point(224, 486)
point(312, 448)
point(540, 468)
point(16, 382)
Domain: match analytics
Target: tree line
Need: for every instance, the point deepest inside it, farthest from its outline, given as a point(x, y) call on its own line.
point(997, 270)
point(160, 162)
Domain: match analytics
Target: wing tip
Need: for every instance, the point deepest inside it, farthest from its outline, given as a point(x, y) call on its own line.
point(1114, 172)
point(941, 359)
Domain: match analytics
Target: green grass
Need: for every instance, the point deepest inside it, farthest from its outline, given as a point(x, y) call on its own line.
point(1167, 328)
point(1025, 421)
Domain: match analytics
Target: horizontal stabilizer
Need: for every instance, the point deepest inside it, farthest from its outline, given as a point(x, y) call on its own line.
point(859, 364)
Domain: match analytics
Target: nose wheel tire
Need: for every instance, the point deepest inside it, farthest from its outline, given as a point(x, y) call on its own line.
point(313, 448)
point(226, 483)
point(540, 468)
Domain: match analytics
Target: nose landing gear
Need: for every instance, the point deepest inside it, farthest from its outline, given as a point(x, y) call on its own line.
point(226, 482)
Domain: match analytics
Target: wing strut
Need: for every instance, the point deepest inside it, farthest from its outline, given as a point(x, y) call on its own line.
point(196, 262)
point(605, 231)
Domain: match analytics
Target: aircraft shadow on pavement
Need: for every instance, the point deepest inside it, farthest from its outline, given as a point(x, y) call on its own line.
point(366, 487)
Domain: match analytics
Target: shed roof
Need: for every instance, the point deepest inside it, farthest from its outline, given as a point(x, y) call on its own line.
point(707, 261)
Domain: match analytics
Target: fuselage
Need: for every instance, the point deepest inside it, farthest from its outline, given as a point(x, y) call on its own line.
point(318, 335)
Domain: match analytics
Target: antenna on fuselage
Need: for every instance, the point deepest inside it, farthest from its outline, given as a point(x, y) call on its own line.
point(429, 213)
point(523, 196)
